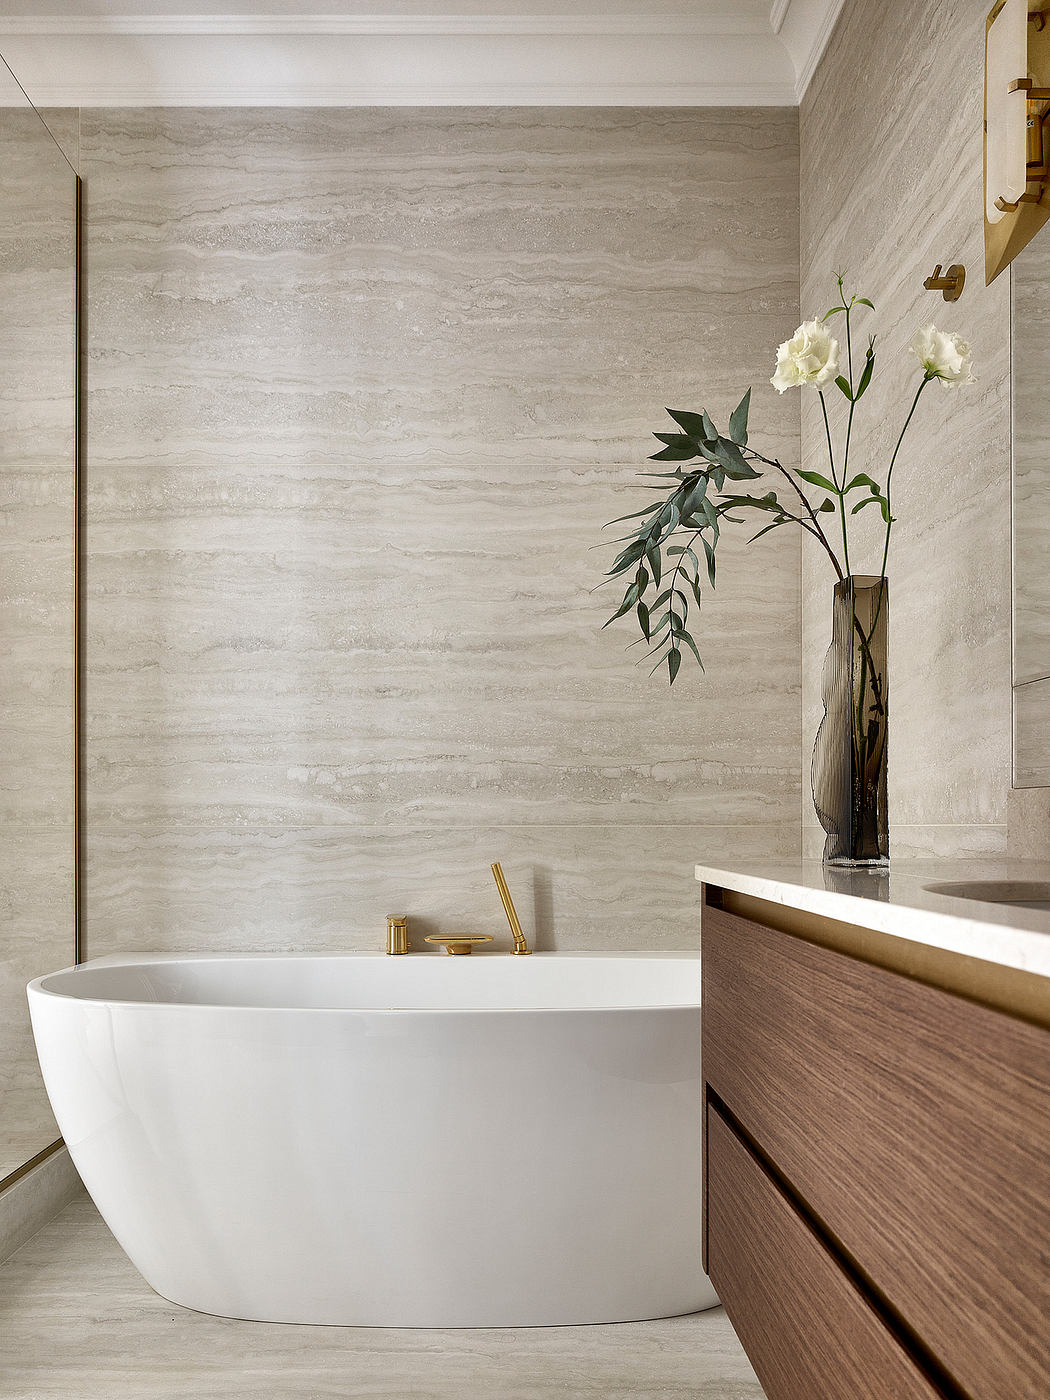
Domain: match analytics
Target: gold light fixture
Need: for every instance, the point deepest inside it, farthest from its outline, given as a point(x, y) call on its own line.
point(1016, 146)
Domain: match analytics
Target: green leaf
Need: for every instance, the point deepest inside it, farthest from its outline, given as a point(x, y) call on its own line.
point(710, 431)
point(669, 517)
point(633, 515)
point(693, 496)
point(690, 423)
point(732, 459)
point(643, 620)
point(843, 384)
point(833, 312)
point(861, 479)
point(627, 604)
point(653, 555)
point(685, 637)
point(738, 420)
point(863, 301)
point(826, 505)
point(867, 501)
point(815, 479)
point(674, 660)
point(675, 454)
point(766, 529)
point(769, 502)
point(865, 378)
point(685, 550)
point(709, 551)
point(629, 556)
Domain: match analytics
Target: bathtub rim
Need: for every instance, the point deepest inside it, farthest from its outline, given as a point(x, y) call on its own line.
point(121, 960)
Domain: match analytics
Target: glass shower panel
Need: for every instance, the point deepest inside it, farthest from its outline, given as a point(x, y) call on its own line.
point(38, 347)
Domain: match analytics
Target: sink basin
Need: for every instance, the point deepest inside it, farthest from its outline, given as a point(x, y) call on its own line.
point(1023, 894)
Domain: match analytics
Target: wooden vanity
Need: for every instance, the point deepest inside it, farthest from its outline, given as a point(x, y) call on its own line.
point(876, 1155)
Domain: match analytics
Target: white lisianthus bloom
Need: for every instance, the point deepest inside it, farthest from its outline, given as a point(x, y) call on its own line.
point(811, 356)
point(944, 356)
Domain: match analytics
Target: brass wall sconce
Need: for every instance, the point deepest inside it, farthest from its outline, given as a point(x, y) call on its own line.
point(950, 285)
point(1016, 145)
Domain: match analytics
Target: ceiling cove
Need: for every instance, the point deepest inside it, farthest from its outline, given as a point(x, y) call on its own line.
point(637, 53)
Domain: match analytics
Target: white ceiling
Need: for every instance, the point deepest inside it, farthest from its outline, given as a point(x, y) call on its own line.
point(408, 52)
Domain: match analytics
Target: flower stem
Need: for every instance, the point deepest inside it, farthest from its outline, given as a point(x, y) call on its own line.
point(889, 475)
point(849, 427)
point(835, 479)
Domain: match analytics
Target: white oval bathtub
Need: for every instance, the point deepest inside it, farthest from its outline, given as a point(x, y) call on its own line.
point(418, 1141)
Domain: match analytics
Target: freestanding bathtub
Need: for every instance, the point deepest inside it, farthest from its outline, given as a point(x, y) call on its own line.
point(419, 1141)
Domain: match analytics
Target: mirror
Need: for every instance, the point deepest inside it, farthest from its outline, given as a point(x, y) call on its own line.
point(39, 219)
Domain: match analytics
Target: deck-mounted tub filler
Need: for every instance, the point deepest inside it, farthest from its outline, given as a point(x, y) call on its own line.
point(399, 1142)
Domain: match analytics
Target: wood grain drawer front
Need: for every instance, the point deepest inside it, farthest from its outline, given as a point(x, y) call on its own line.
point(916, 1127)
point(809, 1333)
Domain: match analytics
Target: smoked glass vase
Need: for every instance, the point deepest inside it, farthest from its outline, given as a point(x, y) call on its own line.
point(849, 757)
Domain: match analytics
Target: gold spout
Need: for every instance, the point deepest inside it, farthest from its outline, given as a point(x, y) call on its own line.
point(458, 943)
point(520, 945)
point(396, 934)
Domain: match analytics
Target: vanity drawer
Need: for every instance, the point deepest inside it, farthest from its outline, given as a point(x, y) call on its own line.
point(809, 1333)
point(915, 1126)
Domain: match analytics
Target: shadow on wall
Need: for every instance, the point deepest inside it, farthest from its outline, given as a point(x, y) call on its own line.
point(542, 939)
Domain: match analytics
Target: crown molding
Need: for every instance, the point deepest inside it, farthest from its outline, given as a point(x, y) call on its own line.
point(804, 27)
point(704, 53)
point(425, 94)
point(279, 26)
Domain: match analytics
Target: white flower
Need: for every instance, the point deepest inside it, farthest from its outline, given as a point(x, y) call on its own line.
point(944, 356)
point(811, 356)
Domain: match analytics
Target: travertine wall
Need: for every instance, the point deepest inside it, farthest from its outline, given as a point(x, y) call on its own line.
point(364, 385)
point(891, 183)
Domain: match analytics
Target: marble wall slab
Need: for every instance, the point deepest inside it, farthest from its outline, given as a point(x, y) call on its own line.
point(1032, 734)
point(891, 183)
point(364, 386)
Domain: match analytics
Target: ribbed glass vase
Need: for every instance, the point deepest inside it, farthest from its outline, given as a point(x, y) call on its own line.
point(849, 757)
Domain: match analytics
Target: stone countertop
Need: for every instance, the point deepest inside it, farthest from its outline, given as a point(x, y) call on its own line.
point(898, 901)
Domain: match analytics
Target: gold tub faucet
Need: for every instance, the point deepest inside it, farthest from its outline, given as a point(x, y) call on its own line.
point(520, 945)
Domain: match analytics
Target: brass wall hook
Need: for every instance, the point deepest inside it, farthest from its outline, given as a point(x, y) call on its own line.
point(950, 285)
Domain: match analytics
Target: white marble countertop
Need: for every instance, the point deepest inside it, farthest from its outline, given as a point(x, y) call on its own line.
point(898, 901)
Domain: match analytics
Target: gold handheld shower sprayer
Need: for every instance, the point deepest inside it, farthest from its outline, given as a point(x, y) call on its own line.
point(520, 945)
